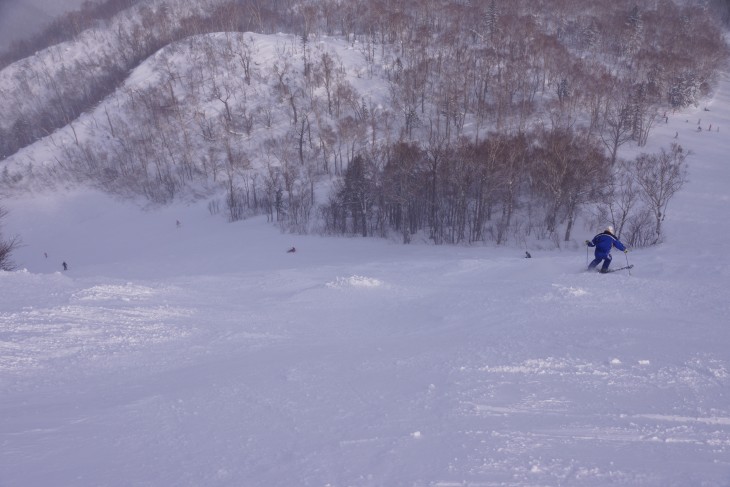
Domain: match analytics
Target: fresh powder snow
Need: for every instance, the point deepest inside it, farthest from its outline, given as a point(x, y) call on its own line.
point(204, 354)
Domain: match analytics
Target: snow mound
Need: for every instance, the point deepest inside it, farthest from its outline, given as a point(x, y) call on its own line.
point(355, 282)
point(126, 292)
point(565, 292)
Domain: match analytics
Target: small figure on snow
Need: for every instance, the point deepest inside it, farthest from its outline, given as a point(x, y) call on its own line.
point(178, 224)
point(604, 242)
point(65, 266)
point(291, 250)
point(527, 255)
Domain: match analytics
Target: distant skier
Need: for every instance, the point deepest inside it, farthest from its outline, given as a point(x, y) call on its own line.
point(65, 266)
point(291, 250)
point(604, 242)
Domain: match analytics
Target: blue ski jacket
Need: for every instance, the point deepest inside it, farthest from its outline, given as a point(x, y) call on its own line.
point(604, 242)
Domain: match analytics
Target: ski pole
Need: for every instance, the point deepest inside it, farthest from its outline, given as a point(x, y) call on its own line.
point(627, 261)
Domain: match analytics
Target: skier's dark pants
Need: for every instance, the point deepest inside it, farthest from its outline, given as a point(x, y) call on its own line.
point(606, 262)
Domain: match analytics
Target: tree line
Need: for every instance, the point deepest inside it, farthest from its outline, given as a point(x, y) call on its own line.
point(472, 192)
point(502, 119)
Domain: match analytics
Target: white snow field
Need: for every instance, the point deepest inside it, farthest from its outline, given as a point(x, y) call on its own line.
point(206, 355)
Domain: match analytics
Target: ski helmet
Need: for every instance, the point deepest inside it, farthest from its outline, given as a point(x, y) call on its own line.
point(609, 229)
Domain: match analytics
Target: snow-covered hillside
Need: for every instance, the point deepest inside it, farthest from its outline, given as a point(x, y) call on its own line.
point(205, 354)
point(435, 124)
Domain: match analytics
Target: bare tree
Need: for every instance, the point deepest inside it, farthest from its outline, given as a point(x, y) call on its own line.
point(357, 194)
point(660, 176)
point(401, 185)
point(622, 198)
point(511, 170)
point(617, 128)
point(326, 69)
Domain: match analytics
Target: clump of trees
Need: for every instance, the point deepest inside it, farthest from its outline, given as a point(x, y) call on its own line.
point(519, 186)
point(640, 191)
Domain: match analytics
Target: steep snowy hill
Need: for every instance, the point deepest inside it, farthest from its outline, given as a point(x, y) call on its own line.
point(205, 354)
point(182, 100)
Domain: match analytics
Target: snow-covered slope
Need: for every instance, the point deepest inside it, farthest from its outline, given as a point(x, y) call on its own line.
point(205, 354)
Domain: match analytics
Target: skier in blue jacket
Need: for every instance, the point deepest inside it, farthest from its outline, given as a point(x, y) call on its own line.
point(604, 242)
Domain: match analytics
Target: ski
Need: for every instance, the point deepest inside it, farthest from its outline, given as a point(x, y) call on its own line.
point(619, 269)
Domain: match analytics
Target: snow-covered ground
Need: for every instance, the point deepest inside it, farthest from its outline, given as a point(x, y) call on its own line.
point(204, 354)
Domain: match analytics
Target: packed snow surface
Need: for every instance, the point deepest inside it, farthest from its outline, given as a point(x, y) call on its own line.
point(205, 354)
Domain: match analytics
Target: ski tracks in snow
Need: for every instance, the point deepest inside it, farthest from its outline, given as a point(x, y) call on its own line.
point(553, 412)
point(91, 324)
point(556, 421)
point(349, 375)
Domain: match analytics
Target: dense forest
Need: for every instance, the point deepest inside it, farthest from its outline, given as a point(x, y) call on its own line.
point(485, 120)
